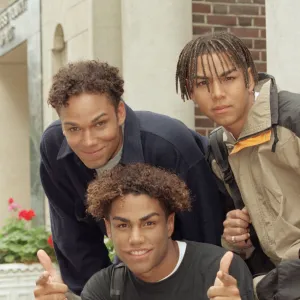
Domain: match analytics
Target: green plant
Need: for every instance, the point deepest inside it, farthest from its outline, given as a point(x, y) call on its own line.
point(110, 247)
point(19, 241)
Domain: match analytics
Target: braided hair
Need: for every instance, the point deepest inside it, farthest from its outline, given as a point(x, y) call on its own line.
point(223, 44)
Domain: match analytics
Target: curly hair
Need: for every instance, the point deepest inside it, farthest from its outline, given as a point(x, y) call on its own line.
point(224, 44)
point(137, 179)
point(91, 76)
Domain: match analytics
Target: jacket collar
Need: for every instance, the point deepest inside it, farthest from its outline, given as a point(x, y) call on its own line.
point(264, 112)
point(132, 147)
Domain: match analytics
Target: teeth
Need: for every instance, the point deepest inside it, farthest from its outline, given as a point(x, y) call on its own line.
point(138, 252)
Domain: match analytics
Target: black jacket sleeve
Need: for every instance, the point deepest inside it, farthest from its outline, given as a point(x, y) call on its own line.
point(79, 244)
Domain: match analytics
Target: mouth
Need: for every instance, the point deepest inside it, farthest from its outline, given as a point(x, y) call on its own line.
point(140, 253)
point(92, 152)
point(221, 109)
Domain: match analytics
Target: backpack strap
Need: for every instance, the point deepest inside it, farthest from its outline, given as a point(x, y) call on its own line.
point(219, 152)
point(117, 281)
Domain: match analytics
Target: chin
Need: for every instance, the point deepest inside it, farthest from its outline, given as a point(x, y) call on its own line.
point(94, 165)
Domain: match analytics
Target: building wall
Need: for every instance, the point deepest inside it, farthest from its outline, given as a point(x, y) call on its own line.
point(244, 18)
point(14, 145)
point(283, 40)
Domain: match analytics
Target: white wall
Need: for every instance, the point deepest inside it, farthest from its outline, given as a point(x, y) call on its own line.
point(283, 42)
point(14, 142)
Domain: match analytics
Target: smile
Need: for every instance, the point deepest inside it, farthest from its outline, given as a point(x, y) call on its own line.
point(139, 253)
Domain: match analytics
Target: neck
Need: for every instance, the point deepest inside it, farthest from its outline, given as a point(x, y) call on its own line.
point(166, 266)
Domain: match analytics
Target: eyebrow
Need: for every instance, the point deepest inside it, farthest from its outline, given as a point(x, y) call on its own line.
point(225, 73)
point(144, 218)
point(93, 121)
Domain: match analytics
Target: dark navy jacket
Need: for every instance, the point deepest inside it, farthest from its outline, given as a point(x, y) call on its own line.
point(148, 137)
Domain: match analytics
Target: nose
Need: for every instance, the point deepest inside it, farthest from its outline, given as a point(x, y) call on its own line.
point(88, 139)
point(136, 237)
point(217, 90)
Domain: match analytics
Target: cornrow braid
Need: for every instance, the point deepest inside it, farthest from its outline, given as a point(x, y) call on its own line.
point(226, 46)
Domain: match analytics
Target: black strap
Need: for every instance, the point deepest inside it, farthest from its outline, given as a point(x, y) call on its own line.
point(117, 281)
point(220, 154)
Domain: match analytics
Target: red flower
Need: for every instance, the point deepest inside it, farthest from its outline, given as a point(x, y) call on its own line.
point(26, 214)
point(10, 200)
point(50, 241)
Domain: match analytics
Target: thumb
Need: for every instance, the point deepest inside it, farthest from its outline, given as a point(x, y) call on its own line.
point(226, 262)
point(46, 262)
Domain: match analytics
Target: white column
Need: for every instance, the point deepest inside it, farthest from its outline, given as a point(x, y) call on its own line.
point(153, 34)
point(283, 42)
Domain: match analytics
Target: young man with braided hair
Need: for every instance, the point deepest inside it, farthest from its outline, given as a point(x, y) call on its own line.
point(261, 132)
point(97, 131)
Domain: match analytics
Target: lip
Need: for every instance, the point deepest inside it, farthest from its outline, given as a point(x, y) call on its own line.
point(221, 109)
point(139, 253)
point(92, 152)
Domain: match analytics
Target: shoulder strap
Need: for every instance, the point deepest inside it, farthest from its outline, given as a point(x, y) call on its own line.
point(219, 152)
point(117, 281)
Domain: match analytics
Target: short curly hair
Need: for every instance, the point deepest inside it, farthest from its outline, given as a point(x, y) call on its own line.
point(172, 193)
point(91, 77)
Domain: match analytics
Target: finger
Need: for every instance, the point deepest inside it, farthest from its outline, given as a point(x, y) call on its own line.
point(234, 239)
point(231, 222)
point(226, 261)
point(234, 231)
point(52, 297)
point(222, 292)
point(50, 289)
point(43, 279)
point(226, 279)
point(46, 262)
point(238, 214)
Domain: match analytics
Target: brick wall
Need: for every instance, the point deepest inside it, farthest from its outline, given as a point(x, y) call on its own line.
point(244, 18)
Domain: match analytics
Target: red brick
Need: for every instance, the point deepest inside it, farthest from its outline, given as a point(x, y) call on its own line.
point(260, 22)
point(245, 21)
point(259, 2)
point(201, 29)
point(204, 122)
point(248, 43)
point(221, 20)
point(263, 55)
point(201, 8)
point(260, 44)
point(202, 131)
point(222, 1)
point(263, 33)
point(261, 67)
point(220, 9)
point(243, 10)
point(220, 29)
point(198, 19)
point(245, 32)
point(255, 54)
point(244, 1)
point(262, 11)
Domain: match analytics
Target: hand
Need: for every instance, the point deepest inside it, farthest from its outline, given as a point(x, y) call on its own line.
point(236, 228)
point(49, 286)
point(225, 286)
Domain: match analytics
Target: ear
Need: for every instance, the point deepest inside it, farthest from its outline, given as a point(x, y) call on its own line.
point(121, 113)
point(108, 227)
point(170, 224)
point(251, 84)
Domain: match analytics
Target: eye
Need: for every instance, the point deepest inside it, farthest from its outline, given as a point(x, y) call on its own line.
point(122, 226)
point(229, 78)
point(99, 124)
point(74, 129)
point(149, 223)
point(201, 83)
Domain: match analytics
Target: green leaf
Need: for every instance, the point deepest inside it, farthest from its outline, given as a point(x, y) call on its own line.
point(9, 258)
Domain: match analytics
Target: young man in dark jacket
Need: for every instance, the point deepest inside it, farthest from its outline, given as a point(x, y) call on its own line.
point(97, 131)
point(139, 203)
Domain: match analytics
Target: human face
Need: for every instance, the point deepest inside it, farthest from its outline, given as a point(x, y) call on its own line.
point(227, 100)
point(140, 232)
point(92, 127)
